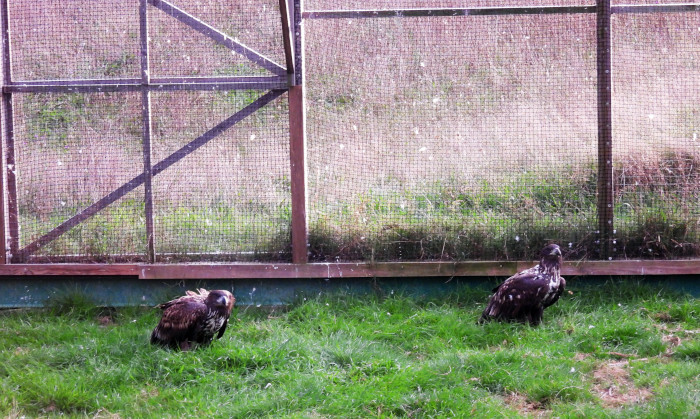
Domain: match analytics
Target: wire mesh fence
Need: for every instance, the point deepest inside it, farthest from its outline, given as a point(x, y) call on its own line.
point(224, 198)
point(230, 200)
point(474, 137)
point(656, 136)
point(70, 151)
point(438, 137)
point(86, 40)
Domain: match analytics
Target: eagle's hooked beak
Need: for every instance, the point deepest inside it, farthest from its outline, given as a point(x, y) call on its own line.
point(223, 300)
point(555, 252)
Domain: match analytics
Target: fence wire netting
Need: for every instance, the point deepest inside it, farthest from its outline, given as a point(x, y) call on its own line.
point(428, 138)
point(228, 200)
point(451, 138)
point(656, 143)
point(70, 151)
point(86, 40)
point(177, 50)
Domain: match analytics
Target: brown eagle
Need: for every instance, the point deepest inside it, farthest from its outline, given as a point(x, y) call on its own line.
point(525, 295)
point(193, 318)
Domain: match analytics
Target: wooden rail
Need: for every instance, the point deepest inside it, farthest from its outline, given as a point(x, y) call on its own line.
point(290, 79)
point(351, 270)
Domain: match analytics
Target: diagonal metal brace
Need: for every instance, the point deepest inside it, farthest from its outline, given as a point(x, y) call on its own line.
point(218, 36)
point(140, 179)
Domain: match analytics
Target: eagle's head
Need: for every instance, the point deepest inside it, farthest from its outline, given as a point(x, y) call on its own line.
point(551, 256)
point(221, 300)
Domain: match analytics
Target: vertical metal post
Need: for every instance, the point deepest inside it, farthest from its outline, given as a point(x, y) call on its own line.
point(287, 38)
point(146, 120)
point(8, 221)
point(297, 144)
point(605, 150)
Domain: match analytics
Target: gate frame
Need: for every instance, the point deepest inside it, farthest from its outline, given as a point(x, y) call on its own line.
point(291, 80)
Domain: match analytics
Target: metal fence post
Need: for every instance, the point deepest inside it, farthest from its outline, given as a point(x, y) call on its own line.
point(605, 158)
point(297, 143)
point(9, 226)
point(146, 121)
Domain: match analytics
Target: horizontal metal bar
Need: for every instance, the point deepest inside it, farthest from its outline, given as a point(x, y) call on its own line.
point(156, 84)
point(468, 11)
point(352, 270)
point(75, 82)
point(498, 11)
point(656, 8)
point(70, 88)
point(278, 85)
point(218, 79)
point(218, 36)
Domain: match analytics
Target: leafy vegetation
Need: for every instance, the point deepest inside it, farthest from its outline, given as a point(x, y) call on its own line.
point(623, 349)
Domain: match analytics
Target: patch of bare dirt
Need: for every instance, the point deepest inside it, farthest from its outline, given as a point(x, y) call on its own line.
point(525, 406)
point(105, 321)
point(581, 356)
point(21, 351)
point(612, 383)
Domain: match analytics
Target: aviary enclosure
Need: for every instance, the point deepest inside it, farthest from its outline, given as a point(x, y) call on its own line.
point(255, 139)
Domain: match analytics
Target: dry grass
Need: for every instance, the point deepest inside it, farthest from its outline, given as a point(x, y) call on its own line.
point(613, 385)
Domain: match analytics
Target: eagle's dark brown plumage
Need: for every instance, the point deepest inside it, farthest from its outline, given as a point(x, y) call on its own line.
point(525, 295)
point(193, 318)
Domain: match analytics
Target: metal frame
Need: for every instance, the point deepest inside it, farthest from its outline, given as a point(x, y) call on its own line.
point(605, 146)
point(499, 11)
point(276, 86)
point(290, 79)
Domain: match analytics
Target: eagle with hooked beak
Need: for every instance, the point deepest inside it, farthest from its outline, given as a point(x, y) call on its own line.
point(525, 295)
point(193, 319)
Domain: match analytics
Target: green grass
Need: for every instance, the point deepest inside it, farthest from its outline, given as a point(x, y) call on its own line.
point(511, 219)
point(508, 220)
point(364, 356)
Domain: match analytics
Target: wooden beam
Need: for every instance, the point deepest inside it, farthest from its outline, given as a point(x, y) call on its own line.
point(297, 157)
point(69, 269)
point(218, 36)
point(412, 269)
point(148, 271)
point(297, 145)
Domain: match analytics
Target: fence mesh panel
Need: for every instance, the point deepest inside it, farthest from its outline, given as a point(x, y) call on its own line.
point(178, 50)
point(72, 150)
point(656, 62)
point(429, 138)
point(451, 138)
point(230, 199)
point(87, 40)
